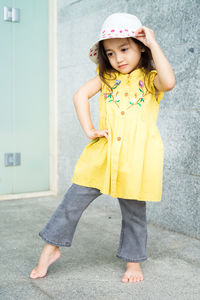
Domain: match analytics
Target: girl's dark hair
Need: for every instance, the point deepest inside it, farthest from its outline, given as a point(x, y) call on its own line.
point(105, 67)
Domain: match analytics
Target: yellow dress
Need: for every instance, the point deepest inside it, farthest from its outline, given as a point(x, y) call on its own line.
point(130, 163)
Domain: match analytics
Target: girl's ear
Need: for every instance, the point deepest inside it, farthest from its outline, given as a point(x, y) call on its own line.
point(142, 50)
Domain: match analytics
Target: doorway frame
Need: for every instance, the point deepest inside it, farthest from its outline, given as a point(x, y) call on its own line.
point(53, 111)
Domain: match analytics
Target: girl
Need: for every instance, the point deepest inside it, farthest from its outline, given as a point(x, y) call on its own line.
point(125, 157)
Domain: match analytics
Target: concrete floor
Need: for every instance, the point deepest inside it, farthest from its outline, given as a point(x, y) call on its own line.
point(89, 269)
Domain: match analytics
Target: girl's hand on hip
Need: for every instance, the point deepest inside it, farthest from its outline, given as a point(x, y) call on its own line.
point(93, 133)
point(148, 39)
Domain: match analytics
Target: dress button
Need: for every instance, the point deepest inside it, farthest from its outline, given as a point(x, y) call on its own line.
point(118, 138)
point(126, 94)
point(122, 112)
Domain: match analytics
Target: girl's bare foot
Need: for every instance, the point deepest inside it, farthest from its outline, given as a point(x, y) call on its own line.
point(133, 273)
point(49, 255)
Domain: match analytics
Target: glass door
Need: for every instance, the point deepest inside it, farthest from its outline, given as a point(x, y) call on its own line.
point(24, 96)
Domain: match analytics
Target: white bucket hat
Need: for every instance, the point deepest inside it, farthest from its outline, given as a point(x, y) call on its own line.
point(118, 25)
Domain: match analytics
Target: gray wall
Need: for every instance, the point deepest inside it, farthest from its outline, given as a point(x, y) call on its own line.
point(176, 27)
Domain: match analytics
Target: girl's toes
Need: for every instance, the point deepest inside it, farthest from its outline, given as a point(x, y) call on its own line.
point(35, 274)
point(131, 279)
point(141, 278)
point(125, 278)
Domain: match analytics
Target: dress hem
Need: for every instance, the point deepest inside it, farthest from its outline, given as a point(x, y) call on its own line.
point(91, 184)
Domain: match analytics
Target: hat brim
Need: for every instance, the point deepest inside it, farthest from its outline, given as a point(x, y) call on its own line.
point(93, 53)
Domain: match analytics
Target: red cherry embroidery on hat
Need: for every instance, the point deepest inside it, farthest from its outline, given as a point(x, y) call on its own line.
point(103, 31)
point(126, 29)
point(94, 54)
point(112, 30)
point(120, 31)
point(90, 54)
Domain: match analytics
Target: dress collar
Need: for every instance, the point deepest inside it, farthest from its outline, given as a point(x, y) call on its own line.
point(134, 73)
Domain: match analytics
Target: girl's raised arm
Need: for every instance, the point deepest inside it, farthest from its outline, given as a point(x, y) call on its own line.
point(165, 79)
point(81, 103)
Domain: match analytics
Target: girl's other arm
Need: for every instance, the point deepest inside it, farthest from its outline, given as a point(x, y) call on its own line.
point(82, 106)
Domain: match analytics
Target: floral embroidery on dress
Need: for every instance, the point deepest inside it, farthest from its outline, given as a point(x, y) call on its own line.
point(136, 100)
point(110, 95)
point(141, 83)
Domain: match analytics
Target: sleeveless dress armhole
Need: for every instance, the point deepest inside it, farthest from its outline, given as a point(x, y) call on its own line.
point(97, 69)
point(151, 87)
point(102, 83)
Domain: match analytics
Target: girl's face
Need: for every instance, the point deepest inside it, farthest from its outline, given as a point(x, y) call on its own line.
point(123, 54)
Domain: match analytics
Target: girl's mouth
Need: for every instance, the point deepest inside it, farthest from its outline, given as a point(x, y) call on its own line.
point(122, 66)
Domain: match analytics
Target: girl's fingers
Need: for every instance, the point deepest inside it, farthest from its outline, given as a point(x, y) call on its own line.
point(106, 133)
point(100, 133)
point(140, 30)
point(139, 35)
point(95, 134)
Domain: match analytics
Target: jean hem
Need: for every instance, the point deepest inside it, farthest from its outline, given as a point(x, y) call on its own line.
point(54, 243)
point(131, 259)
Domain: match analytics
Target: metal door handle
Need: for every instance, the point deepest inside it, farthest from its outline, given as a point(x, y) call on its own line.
point(11, 14)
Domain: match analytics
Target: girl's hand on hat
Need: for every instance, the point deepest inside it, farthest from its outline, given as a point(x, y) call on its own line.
point(93, 133)
point(148, 39)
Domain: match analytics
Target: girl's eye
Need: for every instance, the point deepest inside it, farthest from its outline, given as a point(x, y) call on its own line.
point(124, 49)
point(109, 54)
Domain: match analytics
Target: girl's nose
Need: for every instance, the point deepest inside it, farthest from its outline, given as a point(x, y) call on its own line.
point(119, 57)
